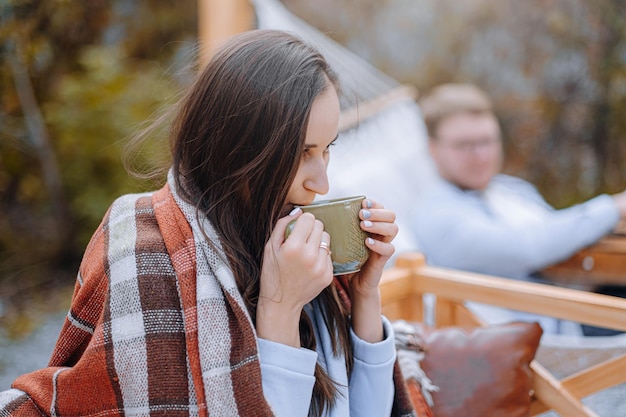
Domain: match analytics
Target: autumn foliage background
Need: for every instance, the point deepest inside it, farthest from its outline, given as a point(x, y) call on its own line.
point(78, 78)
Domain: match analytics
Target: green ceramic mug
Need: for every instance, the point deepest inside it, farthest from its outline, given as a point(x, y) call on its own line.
point(347, 240)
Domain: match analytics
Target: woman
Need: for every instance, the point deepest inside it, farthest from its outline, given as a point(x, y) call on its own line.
point(189, 301)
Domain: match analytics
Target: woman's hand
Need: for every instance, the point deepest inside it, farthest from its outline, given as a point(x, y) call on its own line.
point(379, 223)
point(295, 270)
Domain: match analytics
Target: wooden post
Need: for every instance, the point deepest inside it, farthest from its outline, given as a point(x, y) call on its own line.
point(218, 20)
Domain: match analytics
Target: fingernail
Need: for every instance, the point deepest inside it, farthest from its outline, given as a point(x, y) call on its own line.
point(368, 203)
point(370, 241)
point(366, 214)
point(295, 211)
point(367, 223)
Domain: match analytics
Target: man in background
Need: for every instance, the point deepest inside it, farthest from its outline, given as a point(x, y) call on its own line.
point(479, 220)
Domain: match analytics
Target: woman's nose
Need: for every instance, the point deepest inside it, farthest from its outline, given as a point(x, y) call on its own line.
point(318, 180)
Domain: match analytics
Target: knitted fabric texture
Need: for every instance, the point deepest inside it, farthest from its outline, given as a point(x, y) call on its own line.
point(156, 326)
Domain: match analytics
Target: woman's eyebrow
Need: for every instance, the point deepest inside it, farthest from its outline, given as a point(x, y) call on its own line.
point(314, 145)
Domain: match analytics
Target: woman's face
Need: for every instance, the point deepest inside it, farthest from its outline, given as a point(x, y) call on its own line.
point(321, 132)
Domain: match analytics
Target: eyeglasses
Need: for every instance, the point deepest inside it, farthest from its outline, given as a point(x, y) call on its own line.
point(467, 146)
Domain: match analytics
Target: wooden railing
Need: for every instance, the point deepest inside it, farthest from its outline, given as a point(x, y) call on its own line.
point(404, 285)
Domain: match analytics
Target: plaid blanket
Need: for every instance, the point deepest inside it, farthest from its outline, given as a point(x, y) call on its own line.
point(156, 326)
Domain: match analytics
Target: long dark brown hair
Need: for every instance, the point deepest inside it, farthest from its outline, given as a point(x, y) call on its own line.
point(237, 141)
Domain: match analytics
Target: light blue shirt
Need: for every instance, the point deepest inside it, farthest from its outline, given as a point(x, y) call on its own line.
point(467, 230)
point(287, 374)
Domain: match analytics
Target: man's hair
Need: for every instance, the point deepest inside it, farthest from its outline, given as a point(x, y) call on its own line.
point(447, 100)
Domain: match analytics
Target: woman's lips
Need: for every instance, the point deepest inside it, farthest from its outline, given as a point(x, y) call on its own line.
point(290, 206)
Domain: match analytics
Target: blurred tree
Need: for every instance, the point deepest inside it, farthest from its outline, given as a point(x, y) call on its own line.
point(608, 57)
point(37, 135)
point(77, 79)
point(576, 50)
point(38, 45)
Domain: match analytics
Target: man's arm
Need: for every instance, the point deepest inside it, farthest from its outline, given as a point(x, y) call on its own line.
point(462, 237)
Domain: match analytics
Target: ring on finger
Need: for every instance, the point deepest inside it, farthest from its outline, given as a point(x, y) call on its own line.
point(325, 246)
